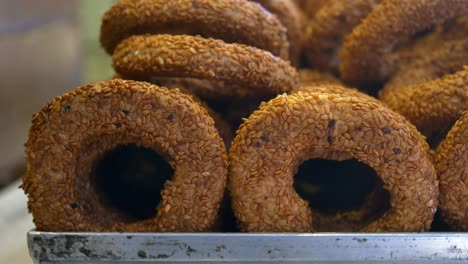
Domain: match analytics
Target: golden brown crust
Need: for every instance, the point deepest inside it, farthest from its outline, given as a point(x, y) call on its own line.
point(420, 46)
point(431, 106)
point(334, 89)
point(326, 31)
point(140, 57)
point(223, 127)
point(186, 85)
point(234, 21)
point(292, 18)
point(75, 129)
point(289, 129)
point(451, 162)
point(311, 7)
point(447, 58)
point(313, 77)
point(366, 51)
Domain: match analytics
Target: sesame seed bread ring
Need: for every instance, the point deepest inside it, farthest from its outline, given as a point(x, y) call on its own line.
point(451, 162)
point(431, 106)
point(365, 55)
point(447, 58)
point(326, 31)
point(448, 32)
point(292, 18)
point(139, 57)
point(234, 21)
point(272, 143)
point(74, 131)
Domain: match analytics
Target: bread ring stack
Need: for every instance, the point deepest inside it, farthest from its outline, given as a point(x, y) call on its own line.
point(236, 62)
point(138, 127)
point(343, 144)
point(327, 29)
point(139, 56)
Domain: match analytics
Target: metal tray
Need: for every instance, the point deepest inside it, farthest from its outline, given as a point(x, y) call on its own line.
point(47, 247)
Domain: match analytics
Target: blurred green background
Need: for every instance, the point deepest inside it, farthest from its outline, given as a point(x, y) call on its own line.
point(96, 63)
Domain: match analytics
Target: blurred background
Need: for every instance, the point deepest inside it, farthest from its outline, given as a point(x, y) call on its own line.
point(47, 48)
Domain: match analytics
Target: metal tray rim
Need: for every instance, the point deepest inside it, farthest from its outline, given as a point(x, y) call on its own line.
point(90, 247)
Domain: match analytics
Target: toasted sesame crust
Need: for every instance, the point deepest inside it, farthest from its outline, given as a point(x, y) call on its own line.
point(431, 106)
point(292, 18)
point(366, 51)
point(326, 31)
point(186, 85)
point(313, 77)
point(448, 32)
point(71, 132)
point(284, 132)
point(234, 21)
point(451, 162)
point(139, 57)
point(447, 58)
point(223, 127)
point(334, 89)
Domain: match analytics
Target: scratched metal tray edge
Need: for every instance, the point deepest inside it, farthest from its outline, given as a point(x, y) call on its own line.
point(49, 247)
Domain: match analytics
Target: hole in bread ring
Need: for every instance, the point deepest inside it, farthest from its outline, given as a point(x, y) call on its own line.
point(344, 194)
